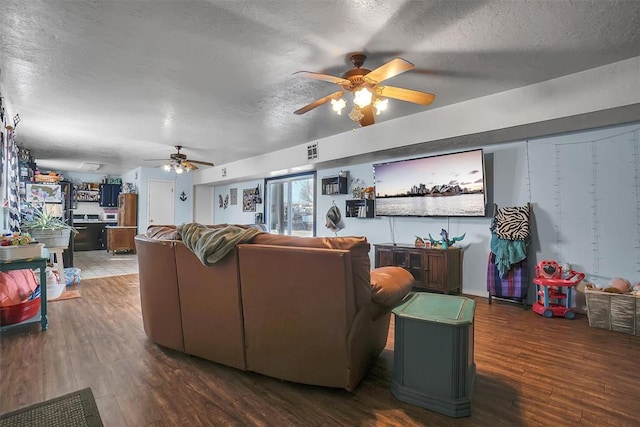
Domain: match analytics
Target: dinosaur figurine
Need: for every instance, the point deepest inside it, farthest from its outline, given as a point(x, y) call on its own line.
point(445, 243)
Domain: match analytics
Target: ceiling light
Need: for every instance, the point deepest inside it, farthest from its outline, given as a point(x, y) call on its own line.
point(89, 166)
point(362, 97)
point(380, 105)
point(338, 105)
point(176, 166)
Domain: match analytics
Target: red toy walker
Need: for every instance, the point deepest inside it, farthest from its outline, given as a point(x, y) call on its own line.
point(552, 290)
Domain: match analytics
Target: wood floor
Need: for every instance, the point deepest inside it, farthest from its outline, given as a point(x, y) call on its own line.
point(531, 371)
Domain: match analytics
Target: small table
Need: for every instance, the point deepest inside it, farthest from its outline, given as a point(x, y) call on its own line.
point(56, 253)
point(121, 238)
point(433, 356)
point(31, 263)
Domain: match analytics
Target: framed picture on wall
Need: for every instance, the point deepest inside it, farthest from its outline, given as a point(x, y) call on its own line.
point(249, 200)
point(43, 193)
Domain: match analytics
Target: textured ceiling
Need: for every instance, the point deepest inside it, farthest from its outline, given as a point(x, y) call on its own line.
point(115, 82)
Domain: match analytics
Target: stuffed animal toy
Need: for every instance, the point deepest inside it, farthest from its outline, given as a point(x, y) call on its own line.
point(618, 285)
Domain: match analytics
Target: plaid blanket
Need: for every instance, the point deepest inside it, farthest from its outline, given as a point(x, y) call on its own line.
point(210, 245)
point(514, 284)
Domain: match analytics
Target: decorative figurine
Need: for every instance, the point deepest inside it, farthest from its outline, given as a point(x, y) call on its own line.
point(445, 243)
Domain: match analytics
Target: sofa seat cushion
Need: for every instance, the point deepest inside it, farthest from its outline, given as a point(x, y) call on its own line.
point(390, 286)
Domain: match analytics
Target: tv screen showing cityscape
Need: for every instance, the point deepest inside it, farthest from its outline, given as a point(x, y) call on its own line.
point(444, 185)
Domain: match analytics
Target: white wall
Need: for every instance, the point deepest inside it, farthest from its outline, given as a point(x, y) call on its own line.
point(203, 204)
point(584, 190)
point(233, 214)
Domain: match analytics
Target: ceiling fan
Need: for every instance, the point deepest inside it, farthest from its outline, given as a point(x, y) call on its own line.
point(179, 162)
point(368, 93)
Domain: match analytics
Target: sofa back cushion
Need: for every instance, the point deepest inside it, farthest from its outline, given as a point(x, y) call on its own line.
point(357, 246)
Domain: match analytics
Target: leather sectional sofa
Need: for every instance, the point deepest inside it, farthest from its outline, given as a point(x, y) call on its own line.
point(306, 310)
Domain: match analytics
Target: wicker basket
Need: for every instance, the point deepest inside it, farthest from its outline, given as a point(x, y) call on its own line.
point(614, 312)
point(11, 253)
point(47, 178)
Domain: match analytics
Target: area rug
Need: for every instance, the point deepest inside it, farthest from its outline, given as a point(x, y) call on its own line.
point(67, 294)
point(77, 409)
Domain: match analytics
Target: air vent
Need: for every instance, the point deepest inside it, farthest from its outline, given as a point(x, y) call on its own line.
point(312, 151)
point(224, 172)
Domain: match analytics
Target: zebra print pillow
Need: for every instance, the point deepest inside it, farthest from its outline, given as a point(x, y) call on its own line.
point(512, 223)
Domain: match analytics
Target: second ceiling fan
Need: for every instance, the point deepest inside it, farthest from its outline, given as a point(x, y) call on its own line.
point(368, 93)
point(179, 162)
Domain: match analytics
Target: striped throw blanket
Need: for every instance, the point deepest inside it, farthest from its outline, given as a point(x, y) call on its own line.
point(512, 223)
point(210, 245)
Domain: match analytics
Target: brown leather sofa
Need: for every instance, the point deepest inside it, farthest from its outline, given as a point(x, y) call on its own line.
point(307, 310)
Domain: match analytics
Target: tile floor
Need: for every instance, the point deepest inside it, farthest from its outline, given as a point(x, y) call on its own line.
point(102, 263)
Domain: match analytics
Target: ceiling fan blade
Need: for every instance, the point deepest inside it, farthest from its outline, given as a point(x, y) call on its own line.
point(369, 117)
point(417, 97)
point(200, 162)
point(390, 69)
point(319, 102)
point(323, 77)
point(155, 160)
point(189, 165)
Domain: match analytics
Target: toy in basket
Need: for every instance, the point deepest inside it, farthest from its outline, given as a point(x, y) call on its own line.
point(553, 292)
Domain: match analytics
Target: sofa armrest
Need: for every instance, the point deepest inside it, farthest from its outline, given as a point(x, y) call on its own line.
point(390, 286)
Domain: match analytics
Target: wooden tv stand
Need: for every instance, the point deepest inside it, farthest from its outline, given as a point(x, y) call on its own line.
point(434, 269)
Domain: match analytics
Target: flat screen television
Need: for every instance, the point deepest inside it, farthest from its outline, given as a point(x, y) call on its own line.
point(444, 185)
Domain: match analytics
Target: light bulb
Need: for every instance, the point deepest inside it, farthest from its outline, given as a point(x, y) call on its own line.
point(179, 169)
point(338, 105)
point(380, 105)
point(167, 167)
point(362, 97)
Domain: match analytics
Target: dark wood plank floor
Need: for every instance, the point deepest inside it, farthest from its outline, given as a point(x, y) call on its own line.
point(531, 371)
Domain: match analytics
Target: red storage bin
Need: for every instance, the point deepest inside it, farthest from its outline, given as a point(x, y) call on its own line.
point(19, 312)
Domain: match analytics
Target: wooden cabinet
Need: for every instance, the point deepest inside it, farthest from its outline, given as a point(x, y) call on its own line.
point(88, 237)
point(121, 239)
point(109, 195)
point(128, 209)
point(434, 269)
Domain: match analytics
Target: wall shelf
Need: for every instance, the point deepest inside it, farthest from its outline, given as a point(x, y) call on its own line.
point(334, 185)
point(360, 208)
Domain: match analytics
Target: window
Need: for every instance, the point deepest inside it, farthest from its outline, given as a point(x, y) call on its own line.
point(290, 205)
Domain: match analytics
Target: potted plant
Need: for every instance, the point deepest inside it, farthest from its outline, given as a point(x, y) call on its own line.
point(46, 228)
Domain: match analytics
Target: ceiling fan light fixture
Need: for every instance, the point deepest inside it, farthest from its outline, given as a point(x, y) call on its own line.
point(362, 97)
point(356, 114)
point(380, 105)
point(179, 169)
point(166, 167)
point(338, 105)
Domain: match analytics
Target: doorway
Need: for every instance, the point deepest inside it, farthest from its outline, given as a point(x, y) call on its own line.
point(160, 202)
point(290, 202)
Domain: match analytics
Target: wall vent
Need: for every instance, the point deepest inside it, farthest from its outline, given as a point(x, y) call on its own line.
point(224, 172)
point(312, 151)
